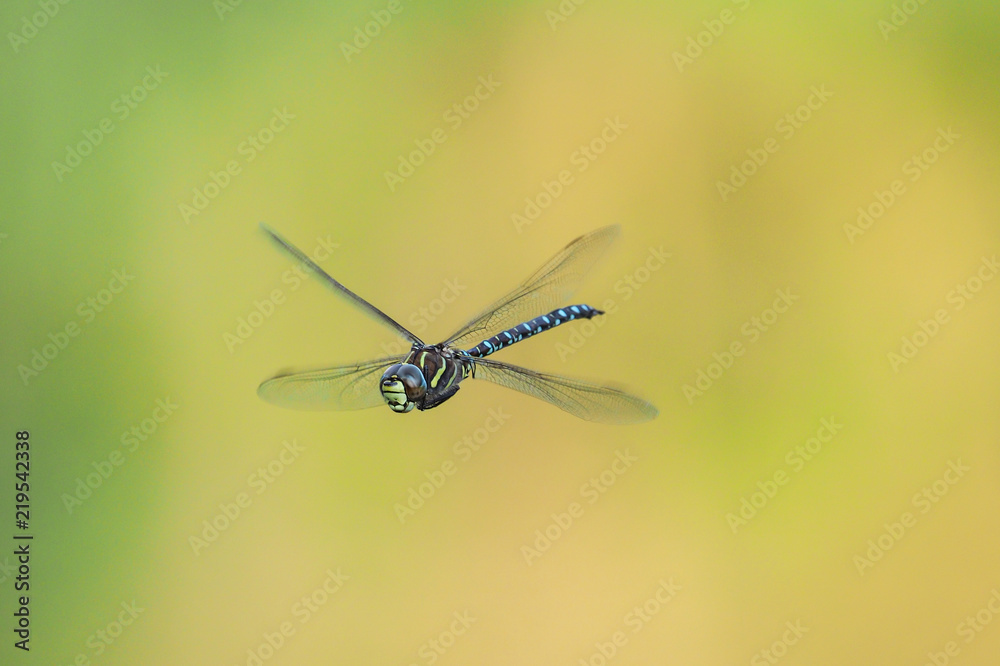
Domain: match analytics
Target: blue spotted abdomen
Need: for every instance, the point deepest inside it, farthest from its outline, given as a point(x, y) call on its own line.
point(533, 327)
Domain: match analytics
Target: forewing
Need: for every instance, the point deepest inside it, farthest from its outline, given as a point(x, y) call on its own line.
point(340, 289)
point(548, 288)
point(340, 388)
point(589, 401)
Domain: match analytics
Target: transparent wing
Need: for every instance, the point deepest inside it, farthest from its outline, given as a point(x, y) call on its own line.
point(591, 402)
point(548, 288)
point(340, 289)
point(340, 388)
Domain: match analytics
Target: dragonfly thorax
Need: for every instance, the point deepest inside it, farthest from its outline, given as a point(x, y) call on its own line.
point(403, 386)
point(424, 378)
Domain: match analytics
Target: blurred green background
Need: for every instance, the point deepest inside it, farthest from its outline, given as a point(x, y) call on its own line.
point(151, 138)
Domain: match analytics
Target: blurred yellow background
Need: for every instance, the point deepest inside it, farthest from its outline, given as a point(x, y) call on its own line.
point(820, 487)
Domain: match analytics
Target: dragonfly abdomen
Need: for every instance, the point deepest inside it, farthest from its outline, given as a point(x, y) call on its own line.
point(533, 327)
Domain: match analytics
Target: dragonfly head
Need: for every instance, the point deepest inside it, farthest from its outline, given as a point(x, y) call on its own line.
point(403, 386)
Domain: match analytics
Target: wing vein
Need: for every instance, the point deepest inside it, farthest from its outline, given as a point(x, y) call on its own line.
point(590, 401)
point(340, 289)
point(546, 289)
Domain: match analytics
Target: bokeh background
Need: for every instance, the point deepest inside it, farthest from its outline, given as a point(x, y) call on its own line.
point(696, 90)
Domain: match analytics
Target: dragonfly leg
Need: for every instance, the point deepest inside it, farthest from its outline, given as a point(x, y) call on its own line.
point(436, 399)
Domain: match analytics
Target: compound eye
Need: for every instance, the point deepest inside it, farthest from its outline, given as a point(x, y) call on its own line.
point(413, 380)
point(394, 391)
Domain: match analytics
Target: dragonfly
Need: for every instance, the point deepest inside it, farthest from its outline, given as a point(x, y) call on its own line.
point(429, 374)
